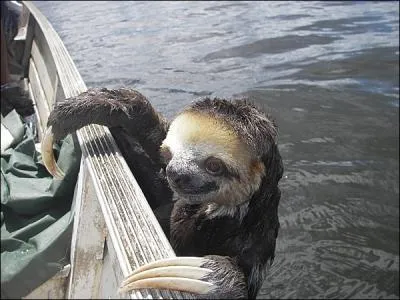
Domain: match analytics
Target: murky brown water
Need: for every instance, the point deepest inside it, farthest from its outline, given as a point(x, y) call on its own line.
point(327, 71)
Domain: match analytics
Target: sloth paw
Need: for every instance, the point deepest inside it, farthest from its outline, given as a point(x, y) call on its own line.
point(206, 277)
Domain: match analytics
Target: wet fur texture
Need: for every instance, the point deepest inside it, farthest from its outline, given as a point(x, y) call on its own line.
point(238, 230)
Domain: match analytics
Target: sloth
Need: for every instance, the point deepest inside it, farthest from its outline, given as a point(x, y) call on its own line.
point(210, 175)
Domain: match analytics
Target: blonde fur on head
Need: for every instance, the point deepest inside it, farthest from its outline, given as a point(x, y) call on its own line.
point(198, 129)
point(194, 136)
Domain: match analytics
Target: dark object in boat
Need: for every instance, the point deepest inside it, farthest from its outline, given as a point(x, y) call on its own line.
point(12, 97)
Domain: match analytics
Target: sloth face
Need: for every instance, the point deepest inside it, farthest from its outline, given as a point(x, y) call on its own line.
point(207, 161)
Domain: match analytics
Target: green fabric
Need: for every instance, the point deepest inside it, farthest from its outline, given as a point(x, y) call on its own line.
point(36, 210)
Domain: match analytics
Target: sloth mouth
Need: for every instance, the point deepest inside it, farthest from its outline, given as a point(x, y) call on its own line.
point(190, 190)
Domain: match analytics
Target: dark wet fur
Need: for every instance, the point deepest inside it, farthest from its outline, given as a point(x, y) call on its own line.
point(14, 98)
point(139, 131)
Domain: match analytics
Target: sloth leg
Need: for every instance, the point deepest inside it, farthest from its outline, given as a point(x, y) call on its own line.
point(209, 276)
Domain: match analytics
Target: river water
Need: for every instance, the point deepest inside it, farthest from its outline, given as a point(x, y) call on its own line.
point(328, 72)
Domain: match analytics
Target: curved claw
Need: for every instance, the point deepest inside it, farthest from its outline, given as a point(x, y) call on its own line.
point(48, 155)
point(171, 283)
point(179, 273)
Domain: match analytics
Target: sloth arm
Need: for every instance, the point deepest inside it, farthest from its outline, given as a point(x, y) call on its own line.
point(137, 128)
point(121, 110)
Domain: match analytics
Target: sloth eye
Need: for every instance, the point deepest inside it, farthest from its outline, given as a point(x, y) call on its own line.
point(214, 166)
point(166, 154)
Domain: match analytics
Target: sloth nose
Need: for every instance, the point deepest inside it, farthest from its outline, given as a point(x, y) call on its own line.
point(178, 178)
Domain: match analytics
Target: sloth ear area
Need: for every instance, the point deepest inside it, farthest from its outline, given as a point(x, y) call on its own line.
point(274, 165)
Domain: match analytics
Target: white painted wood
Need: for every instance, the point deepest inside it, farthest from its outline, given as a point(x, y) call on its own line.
point(39, 121)
point(37, 94)
point(135, 242)
point(28, 44)
point(111, 276)
point(47, 71)
point(88, 239)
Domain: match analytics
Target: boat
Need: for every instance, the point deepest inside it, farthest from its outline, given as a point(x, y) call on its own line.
point(114, 229)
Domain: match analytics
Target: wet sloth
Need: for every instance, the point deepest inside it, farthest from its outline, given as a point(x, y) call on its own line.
point(210, 175)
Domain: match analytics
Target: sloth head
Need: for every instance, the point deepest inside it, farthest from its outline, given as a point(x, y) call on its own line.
point(218, 151)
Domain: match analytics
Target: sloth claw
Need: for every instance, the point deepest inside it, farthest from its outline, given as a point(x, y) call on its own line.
point(48, 155)
point(184, 274)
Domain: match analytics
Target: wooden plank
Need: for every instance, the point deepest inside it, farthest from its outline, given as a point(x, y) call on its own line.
point(37, 94)
point(106, 192)
point(46, 69)
point(38, 120)
point(111, 276)
point(136, 235)
point(88, 240)
point(47, 55)
point(28, 45)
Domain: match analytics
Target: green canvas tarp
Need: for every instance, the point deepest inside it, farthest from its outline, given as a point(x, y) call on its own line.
point(36, 210)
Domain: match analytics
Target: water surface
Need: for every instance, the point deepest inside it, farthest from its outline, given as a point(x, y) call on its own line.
point(328, 72)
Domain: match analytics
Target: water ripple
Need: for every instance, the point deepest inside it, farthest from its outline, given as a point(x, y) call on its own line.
point(271, 46)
